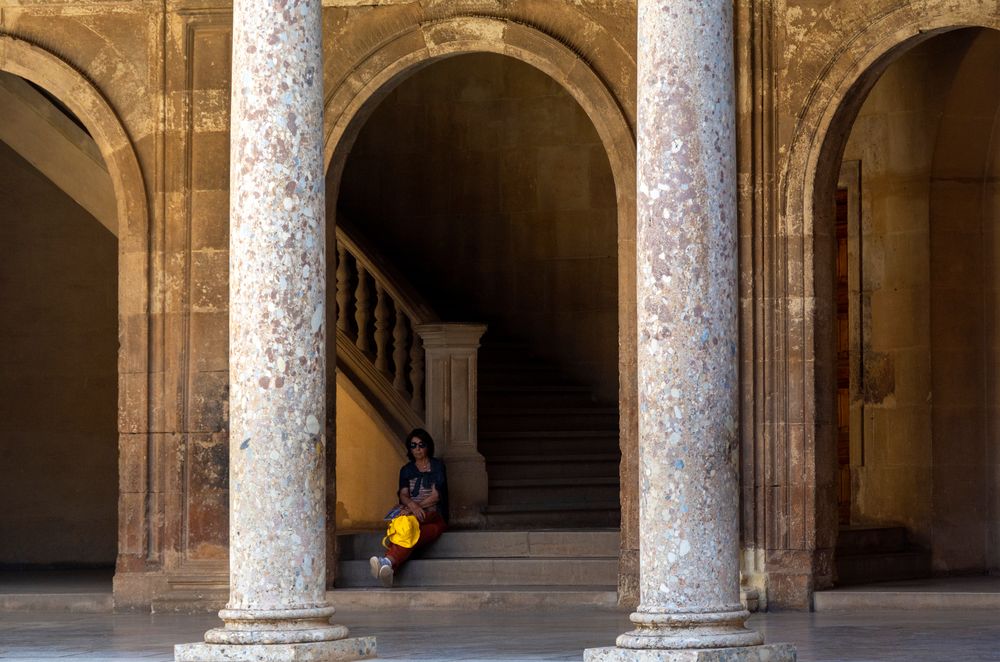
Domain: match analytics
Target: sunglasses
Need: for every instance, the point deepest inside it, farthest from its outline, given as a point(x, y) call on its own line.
point(417, 444)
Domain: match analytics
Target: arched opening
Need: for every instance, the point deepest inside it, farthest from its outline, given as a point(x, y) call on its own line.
point(118, 200)
point(58, 340)
point(485, 184)
point(904, 223)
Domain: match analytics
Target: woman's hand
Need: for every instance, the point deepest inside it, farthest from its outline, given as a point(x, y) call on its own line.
point(416, 510)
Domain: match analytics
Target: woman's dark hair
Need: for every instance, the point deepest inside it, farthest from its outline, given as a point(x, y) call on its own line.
point(424, 436)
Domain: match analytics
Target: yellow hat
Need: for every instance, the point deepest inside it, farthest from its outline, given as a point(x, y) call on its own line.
point(403, 531)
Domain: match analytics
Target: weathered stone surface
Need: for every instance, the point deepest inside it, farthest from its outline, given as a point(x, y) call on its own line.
point(768, 653)
point(359, 648)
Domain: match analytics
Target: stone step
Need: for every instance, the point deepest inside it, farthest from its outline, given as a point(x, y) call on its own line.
point(517, 376)
point(547, 442)
point(533, 396)
point(553, 490)
point(500, 467)
point(871, 540)
point(489, 572)
point(489, 544)
point(553, 515)
point(511, 419)
point(516, 399)
point(475, 598)
point(890, 566)
point(80, 603)
point(943, 593)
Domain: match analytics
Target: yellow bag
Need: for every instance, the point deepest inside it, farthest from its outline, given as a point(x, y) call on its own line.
point(403, 531)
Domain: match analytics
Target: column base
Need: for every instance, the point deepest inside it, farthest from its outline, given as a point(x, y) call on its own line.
point(340, 650)
point(763, 653)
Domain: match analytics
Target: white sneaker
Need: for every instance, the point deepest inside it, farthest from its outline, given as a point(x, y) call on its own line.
point(381, 568)
point(385, 573)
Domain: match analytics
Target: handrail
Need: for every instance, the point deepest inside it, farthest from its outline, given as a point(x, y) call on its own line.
point(414, 305)
point(377, 346)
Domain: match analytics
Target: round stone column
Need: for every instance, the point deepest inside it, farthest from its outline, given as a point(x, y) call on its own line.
point(277, 346)
point(687, 358)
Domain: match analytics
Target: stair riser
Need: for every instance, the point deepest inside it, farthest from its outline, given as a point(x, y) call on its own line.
point(498, 401)
point(865, 569)
point(555, 519)
point(489, 572)
point(547, 448)
point(493, 422)
point(510, 380)
point(503, 470)
point(541, 494)
point(493, 544)
point(871, 541)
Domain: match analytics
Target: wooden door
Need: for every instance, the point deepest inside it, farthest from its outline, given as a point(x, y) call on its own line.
point(843, 365)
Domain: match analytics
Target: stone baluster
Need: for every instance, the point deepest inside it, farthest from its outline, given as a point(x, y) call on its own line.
point(417, 373)
point(381, 329)
point(343, 290)
point(399, 349)
point(451, 353)
point(277, 606)
point(687, 265)
point(362, 314)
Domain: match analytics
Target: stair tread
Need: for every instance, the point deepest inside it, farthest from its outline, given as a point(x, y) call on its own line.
point(549, 506)
point(556, 457)
point(562, 410)
point(493, 588)
point(555, 434)
point(545, 482)
point(533, 385)
point(898, 553)
point(520, 560)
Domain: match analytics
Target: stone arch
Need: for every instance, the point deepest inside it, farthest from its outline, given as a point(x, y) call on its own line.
point(350, 103)
point(84, 99)
point(802, 349)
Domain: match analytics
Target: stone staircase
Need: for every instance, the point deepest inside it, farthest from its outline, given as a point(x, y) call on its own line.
point(551, 451)
point(867, 554)
point(487, 568)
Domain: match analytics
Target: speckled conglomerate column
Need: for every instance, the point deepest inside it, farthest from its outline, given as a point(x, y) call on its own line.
point(687, 358)
point(277, 346)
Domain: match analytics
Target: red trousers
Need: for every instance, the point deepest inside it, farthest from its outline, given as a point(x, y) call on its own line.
point(430, 530)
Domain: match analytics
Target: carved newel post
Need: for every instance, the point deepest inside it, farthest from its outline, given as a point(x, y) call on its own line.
point(277, 606)
point(689, 604)
point(450, 411)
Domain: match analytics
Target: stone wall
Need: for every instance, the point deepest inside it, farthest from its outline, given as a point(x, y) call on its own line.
point(924, 139)
point(805, 70)
point(368, 460)
point(485, 183)
point(893, 138)
point(964, 310)
point(58, 376)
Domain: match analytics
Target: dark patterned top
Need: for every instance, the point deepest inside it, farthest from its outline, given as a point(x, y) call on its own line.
point(427, 488)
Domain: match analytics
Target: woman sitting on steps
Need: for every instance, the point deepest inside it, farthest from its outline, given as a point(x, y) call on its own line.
point(423, 493)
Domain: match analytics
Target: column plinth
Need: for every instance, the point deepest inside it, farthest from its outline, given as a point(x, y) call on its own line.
point(689, 607)
point(277, 606)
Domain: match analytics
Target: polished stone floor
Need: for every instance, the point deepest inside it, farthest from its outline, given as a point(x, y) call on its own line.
point(429, 636)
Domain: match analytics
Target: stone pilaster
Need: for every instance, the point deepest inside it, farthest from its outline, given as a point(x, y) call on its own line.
point(687, 348)
point(277, 342)
point(450, 395)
